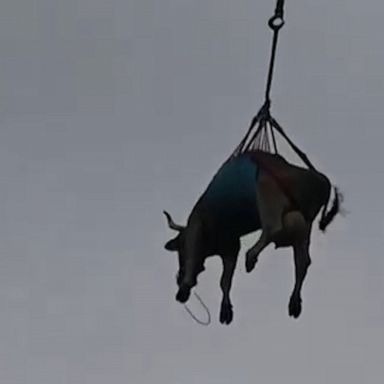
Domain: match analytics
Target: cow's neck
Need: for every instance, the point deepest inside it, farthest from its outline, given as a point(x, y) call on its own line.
point(194, 256)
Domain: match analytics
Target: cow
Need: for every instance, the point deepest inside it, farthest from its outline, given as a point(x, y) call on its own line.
point(253, 191)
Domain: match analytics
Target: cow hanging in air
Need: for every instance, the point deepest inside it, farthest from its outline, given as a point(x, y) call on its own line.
point(254, 190)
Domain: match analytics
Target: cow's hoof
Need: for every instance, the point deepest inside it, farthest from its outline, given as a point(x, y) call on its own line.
point(183, 294)
point(250, 262)
point(295, 307)
point(226, 314)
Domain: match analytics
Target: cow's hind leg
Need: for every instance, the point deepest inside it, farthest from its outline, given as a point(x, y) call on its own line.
point(302, 262)
point(271, 202)
point(253, 253)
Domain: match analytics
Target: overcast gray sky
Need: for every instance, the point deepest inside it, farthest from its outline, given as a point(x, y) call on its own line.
point(110, 112)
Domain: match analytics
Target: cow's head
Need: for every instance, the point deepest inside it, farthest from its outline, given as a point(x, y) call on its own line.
point(187, 246)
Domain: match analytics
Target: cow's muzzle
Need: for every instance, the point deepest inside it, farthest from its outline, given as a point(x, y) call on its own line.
point(183, 294)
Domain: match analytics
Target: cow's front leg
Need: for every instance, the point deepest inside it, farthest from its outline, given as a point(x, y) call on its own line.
point(302, 262)
point(229, 265)
point(254, 252)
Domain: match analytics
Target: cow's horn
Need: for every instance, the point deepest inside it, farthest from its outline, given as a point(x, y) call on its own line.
point(171, 223)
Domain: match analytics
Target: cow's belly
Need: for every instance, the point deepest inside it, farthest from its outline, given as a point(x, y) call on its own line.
point(231, 196)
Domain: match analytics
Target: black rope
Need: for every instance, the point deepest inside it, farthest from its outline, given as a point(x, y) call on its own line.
point(273, 137)
point(279, 11)
point(296, 149)
point(276, 22)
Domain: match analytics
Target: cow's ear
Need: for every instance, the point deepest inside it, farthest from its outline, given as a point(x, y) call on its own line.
point(172, 245)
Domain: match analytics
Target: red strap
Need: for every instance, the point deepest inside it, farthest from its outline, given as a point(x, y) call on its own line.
point(275, 175)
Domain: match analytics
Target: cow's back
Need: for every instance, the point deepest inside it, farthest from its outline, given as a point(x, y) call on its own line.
point(230, 198)
point(307, 189)
point(229, 203)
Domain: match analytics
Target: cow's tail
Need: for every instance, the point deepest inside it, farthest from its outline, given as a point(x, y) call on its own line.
point(327, 217)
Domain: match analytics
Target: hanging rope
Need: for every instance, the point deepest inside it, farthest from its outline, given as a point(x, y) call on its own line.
point(208, 321)
point(276, 22)
point(261, 133)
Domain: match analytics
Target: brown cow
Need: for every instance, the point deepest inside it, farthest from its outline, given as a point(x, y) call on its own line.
point(252, 191)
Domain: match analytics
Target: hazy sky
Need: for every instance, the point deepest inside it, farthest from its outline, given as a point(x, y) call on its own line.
point(110, 112)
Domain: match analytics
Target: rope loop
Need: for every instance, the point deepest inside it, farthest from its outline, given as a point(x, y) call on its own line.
point(276, 23)
point(206, 309)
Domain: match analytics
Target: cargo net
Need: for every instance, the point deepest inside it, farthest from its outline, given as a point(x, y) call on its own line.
point(261, 136)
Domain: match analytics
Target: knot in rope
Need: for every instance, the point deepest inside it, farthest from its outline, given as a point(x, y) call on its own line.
point(276, 22)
